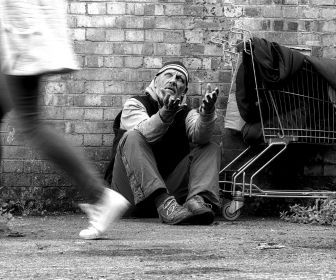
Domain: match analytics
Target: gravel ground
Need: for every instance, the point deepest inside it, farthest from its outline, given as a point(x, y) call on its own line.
point(249, 248)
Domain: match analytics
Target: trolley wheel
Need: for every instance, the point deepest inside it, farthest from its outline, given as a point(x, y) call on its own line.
point(230, 216)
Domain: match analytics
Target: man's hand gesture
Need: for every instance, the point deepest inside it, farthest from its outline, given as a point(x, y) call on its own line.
point(170, 107)
point(209, 100)
point(171, 103)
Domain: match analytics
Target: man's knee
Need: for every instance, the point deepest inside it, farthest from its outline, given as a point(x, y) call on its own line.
point(214, 147)
point(132, 138)
point(211, 149)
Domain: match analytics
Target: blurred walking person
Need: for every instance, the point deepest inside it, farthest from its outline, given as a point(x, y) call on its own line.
point(35, 42)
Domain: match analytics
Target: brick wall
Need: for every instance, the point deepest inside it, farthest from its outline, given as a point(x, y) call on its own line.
point(121, 44)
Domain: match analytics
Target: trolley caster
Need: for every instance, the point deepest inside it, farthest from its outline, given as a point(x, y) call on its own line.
point(228, 215)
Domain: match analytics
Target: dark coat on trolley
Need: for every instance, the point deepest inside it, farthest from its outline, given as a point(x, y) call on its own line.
point(274, 66)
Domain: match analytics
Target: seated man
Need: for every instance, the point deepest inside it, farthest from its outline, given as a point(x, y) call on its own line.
point(164, 155)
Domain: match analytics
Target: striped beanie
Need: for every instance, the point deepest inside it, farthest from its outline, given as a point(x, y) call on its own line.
point(176, 65)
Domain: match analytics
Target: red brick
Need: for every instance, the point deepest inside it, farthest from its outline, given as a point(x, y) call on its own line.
point(96, 8)
point(74, 113)
point(115, 35)
point(135, 35)
point(77, 8)
point(173, 10)
point(108, 140)
point(93, 140)
point(96, 21)
point(21, 180)
point(138, 9)
point(95, 114)
point(95, 34)
point(133, 62)
point(116, 8)
point(93, 61)
point(12, 166)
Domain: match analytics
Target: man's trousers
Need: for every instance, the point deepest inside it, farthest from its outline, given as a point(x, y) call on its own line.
point(136, 175)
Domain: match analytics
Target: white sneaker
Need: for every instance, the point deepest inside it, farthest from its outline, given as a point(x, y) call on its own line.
point(90, 233)
point(106, 211)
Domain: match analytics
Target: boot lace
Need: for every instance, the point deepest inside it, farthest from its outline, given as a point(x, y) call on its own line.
point(170, 206)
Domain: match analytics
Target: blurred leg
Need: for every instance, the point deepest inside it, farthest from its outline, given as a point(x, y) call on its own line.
point(106, 205)
point(5, 102)
point(5, 106)
point(24, 91)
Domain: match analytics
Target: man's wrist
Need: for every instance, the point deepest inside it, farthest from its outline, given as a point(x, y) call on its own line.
point(167, 116)
point(207, 112)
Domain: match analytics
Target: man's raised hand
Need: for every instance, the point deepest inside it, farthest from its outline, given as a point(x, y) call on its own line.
point(209, 100)
point(170, 107)
point(171, 103)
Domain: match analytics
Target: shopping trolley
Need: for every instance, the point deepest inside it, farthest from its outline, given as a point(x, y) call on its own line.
point(301, 109)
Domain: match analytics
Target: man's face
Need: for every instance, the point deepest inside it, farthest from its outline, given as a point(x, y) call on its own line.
point(173, 82)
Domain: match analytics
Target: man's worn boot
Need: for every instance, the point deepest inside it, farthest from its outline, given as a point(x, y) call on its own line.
point(170, 212)
point(202, 211)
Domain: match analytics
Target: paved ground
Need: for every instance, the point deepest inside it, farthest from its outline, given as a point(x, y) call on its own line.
point(248, 248)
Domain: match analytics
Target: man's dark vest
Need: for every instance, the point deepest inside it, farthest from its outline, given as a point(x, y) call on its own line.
point(168, 150)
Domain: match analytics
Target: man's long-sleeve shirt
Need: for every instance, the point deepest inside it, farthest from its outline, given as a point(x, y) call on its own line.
point(199, 126)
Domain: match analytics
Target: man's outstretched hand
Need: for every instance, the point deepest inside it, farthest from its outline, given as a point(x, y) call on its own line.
point(209, 100)
point(171, 103)
point(170, 107)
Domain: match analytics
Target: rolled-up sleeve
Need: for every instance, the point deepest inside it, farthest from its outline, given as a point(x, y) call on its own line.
point(200, 126)
point(135, 117)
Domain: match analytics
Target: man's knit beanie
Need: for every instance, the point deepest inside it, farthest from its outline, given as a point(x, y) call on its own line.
point(176, 65)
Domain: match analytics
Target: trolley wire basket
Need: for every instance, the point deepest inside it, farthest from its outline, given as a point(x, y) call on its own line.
point(298, 109)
